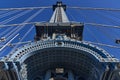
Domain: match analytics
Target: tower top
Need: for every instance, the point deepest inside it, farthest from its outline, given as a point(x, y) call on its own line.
point(59, 25)
point(59, 15)
point(59, 4)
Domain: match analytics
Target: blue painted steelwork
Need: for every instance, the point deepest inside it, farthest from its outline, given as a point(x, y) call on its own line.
point(78, 60)
point(24, 52)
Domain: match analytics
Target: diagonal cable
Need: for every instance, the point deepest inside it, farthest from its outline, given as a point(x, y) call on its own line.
point(101, 44)
point(14, 17)
point(8, 42)
point(23, 13)
point(29, 19)
point(8, 13)
point(26, 34)
point(18, 28)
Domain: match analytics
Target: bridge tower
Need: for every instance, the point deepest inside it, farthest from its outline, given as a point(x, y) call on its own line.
point(59, 53)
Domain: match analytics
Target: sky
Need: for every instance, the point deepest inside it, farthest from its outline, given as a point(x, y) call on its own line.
point(96, 34)
point(83, 3)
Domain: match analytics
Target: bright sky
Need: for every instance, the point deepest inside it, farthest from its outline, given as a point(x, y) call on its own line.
point(91, 33)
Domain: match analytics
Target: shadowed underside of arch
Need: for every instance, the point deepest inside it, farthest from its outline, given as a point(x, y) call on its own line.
point(40, 59)
point(67, 58)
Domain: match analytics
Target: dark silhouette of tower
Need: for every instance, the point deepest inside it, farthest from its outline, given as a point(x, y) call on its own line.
point(59, 53)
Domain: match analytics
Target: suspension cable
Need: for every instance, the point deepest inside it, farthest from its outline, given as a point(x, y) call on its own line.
point(8, 42)
point(22, 38)
point(14, 17)
point(29, 19)
point(90, 8)
point(107, 18)
point(91, 32)
point(18, 43)
point(101, 44)
point(20, 27)
point(3, 12)
point(102, 25)
point(4, 32)
point(93, 24)
point(111, 21)
point(2, 53)
point(19, 24)
point(85, 17)
point(113, 14)
point(72, 18)
point(16, 27)
point(82, 8)
point(27, 33)
point(26, 8)
point(100, 29)
point(8, 13)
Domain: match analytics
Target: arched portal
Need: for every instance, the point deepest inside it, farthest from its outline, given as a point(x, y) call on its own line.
point(67, 59)
point(59, 53)
point(56, 59)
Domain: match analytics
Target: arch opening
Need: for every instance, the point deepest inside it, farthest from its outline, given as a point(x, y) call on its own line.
point(66, 58)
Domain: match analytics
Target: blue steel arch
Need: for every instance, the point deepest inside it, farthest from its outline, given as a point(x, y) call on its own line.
point(24, 52)
point(95, 53)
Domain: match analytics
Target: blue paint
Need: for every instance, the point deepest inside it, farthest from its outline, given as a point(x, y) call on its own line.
point(91, 33)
